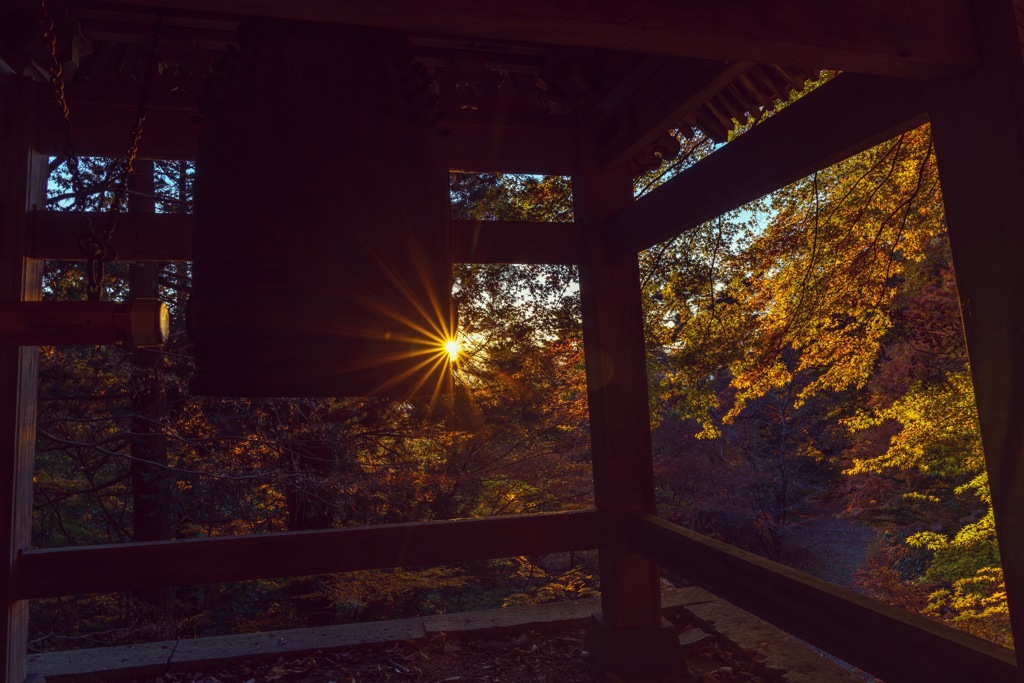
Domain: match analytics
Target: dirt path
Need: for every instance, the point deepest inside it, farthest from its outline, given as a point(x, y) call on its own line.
point(831, 548)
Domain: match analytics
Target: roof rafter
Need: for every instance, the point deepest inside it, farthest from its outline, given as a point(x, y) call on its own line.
point(654, 105)
point(918, 38)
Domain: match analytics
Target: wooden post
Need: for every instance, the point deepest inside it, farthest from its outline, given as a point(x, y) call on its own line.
point(150, 483)
point(22, 182)
point(978, 127)
point(630, 635)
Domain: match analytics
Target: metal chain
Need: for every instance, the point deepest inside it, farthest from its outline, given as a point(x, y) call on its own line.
point(57, 82)
point(126, 169)
point(94, 242)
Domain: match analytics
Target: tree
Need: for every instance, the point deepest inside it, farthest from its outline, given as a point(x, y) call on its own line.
point(514, 441)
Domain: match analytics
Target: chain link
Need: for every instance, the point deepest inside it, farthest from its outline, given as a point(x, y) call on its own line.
point(126, 168)
point(95, 242)
point(57, 83)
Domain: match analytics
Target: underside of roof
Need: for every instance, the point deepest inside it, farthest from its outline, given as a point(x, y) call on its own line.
point(105, 48)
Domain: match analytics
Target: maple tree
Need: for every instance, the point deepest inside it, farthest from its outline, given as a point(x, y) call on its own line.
point(833, 302)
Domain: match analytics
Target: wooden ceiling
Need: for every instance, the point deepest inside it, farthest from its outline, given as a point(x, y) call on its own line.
point(914, 38)
point(638, 68)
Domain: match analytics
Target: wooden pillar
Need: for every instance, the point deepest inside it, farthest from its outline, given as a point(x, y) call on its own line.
point(22, 182)
point(978, 127)
point(150, 483)
point(630, 635)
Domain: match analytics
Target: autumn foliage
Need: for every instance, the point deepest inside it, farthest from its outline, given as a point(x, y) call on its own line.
point(805, 359)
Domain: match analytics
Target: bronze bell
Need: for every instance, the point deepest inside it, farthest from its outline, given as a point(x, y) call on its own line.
point(322, 264)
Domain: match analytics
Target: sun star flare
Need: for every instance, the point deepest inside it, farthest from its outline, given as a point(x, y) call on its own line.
point(452, 347)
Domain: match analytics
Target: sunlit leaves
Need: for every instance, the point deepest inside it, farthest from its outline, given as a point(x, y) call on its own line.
point(824, 271)
point(695, 326)
point(966, 576)
point(939, 430)
point(497, 196)
point(833, 302)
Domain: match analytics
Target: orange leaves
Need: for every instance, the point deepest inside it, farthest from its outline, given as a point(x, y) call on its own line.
point(822, 276)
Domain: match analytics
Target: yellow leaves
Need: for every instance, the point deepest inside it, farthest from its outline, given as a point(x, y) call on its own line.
point(921, 497)
point(572, 585)
point(709, 431)
point(861, 466)
point(939, 430)
point(979, 487)
point(392, 587)
point(928, 539)
point(756, 382)
point(810, 451)
point(939, 437)
point(975, 603)
point(966, 574)
point(518, 600)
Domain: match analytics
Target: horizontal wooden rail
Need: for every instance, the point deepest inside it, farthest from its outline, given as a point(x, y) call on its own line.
point(883, 640)
point(132, 566)
point(511, 148)
point(54, 235)
point(516, 242)
point(101, 115)
point(168, 237)
point(849, 115)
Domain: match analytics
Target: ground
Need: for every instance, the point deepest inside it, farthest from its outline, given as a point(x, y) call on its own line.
point(555, 657)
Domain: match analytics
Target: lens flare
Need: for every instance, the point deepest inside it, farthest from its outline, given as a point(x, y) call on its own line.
point(451, 347)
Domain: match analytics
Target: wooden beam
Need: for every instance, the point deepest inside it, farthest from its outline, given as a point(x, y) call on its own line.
point(888, 642)
point(839, 119)
point(908, 38)
point(883, 640)
point(137, 566)
point(168, 237)
point(140, 322)
point(110, 25)
point(630, 120)
point(511, 149)
point(516, 242)
point(101, 118)
point(978, 128)
point(22, 183)
point(137, 237)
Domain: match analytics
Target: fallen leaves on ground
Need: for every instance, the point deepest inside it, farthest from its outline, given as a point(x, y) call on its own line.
point(555, 657)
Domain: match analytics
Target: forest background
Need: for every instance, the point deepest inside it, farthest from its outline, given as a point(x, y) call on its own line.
point(807, 370)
